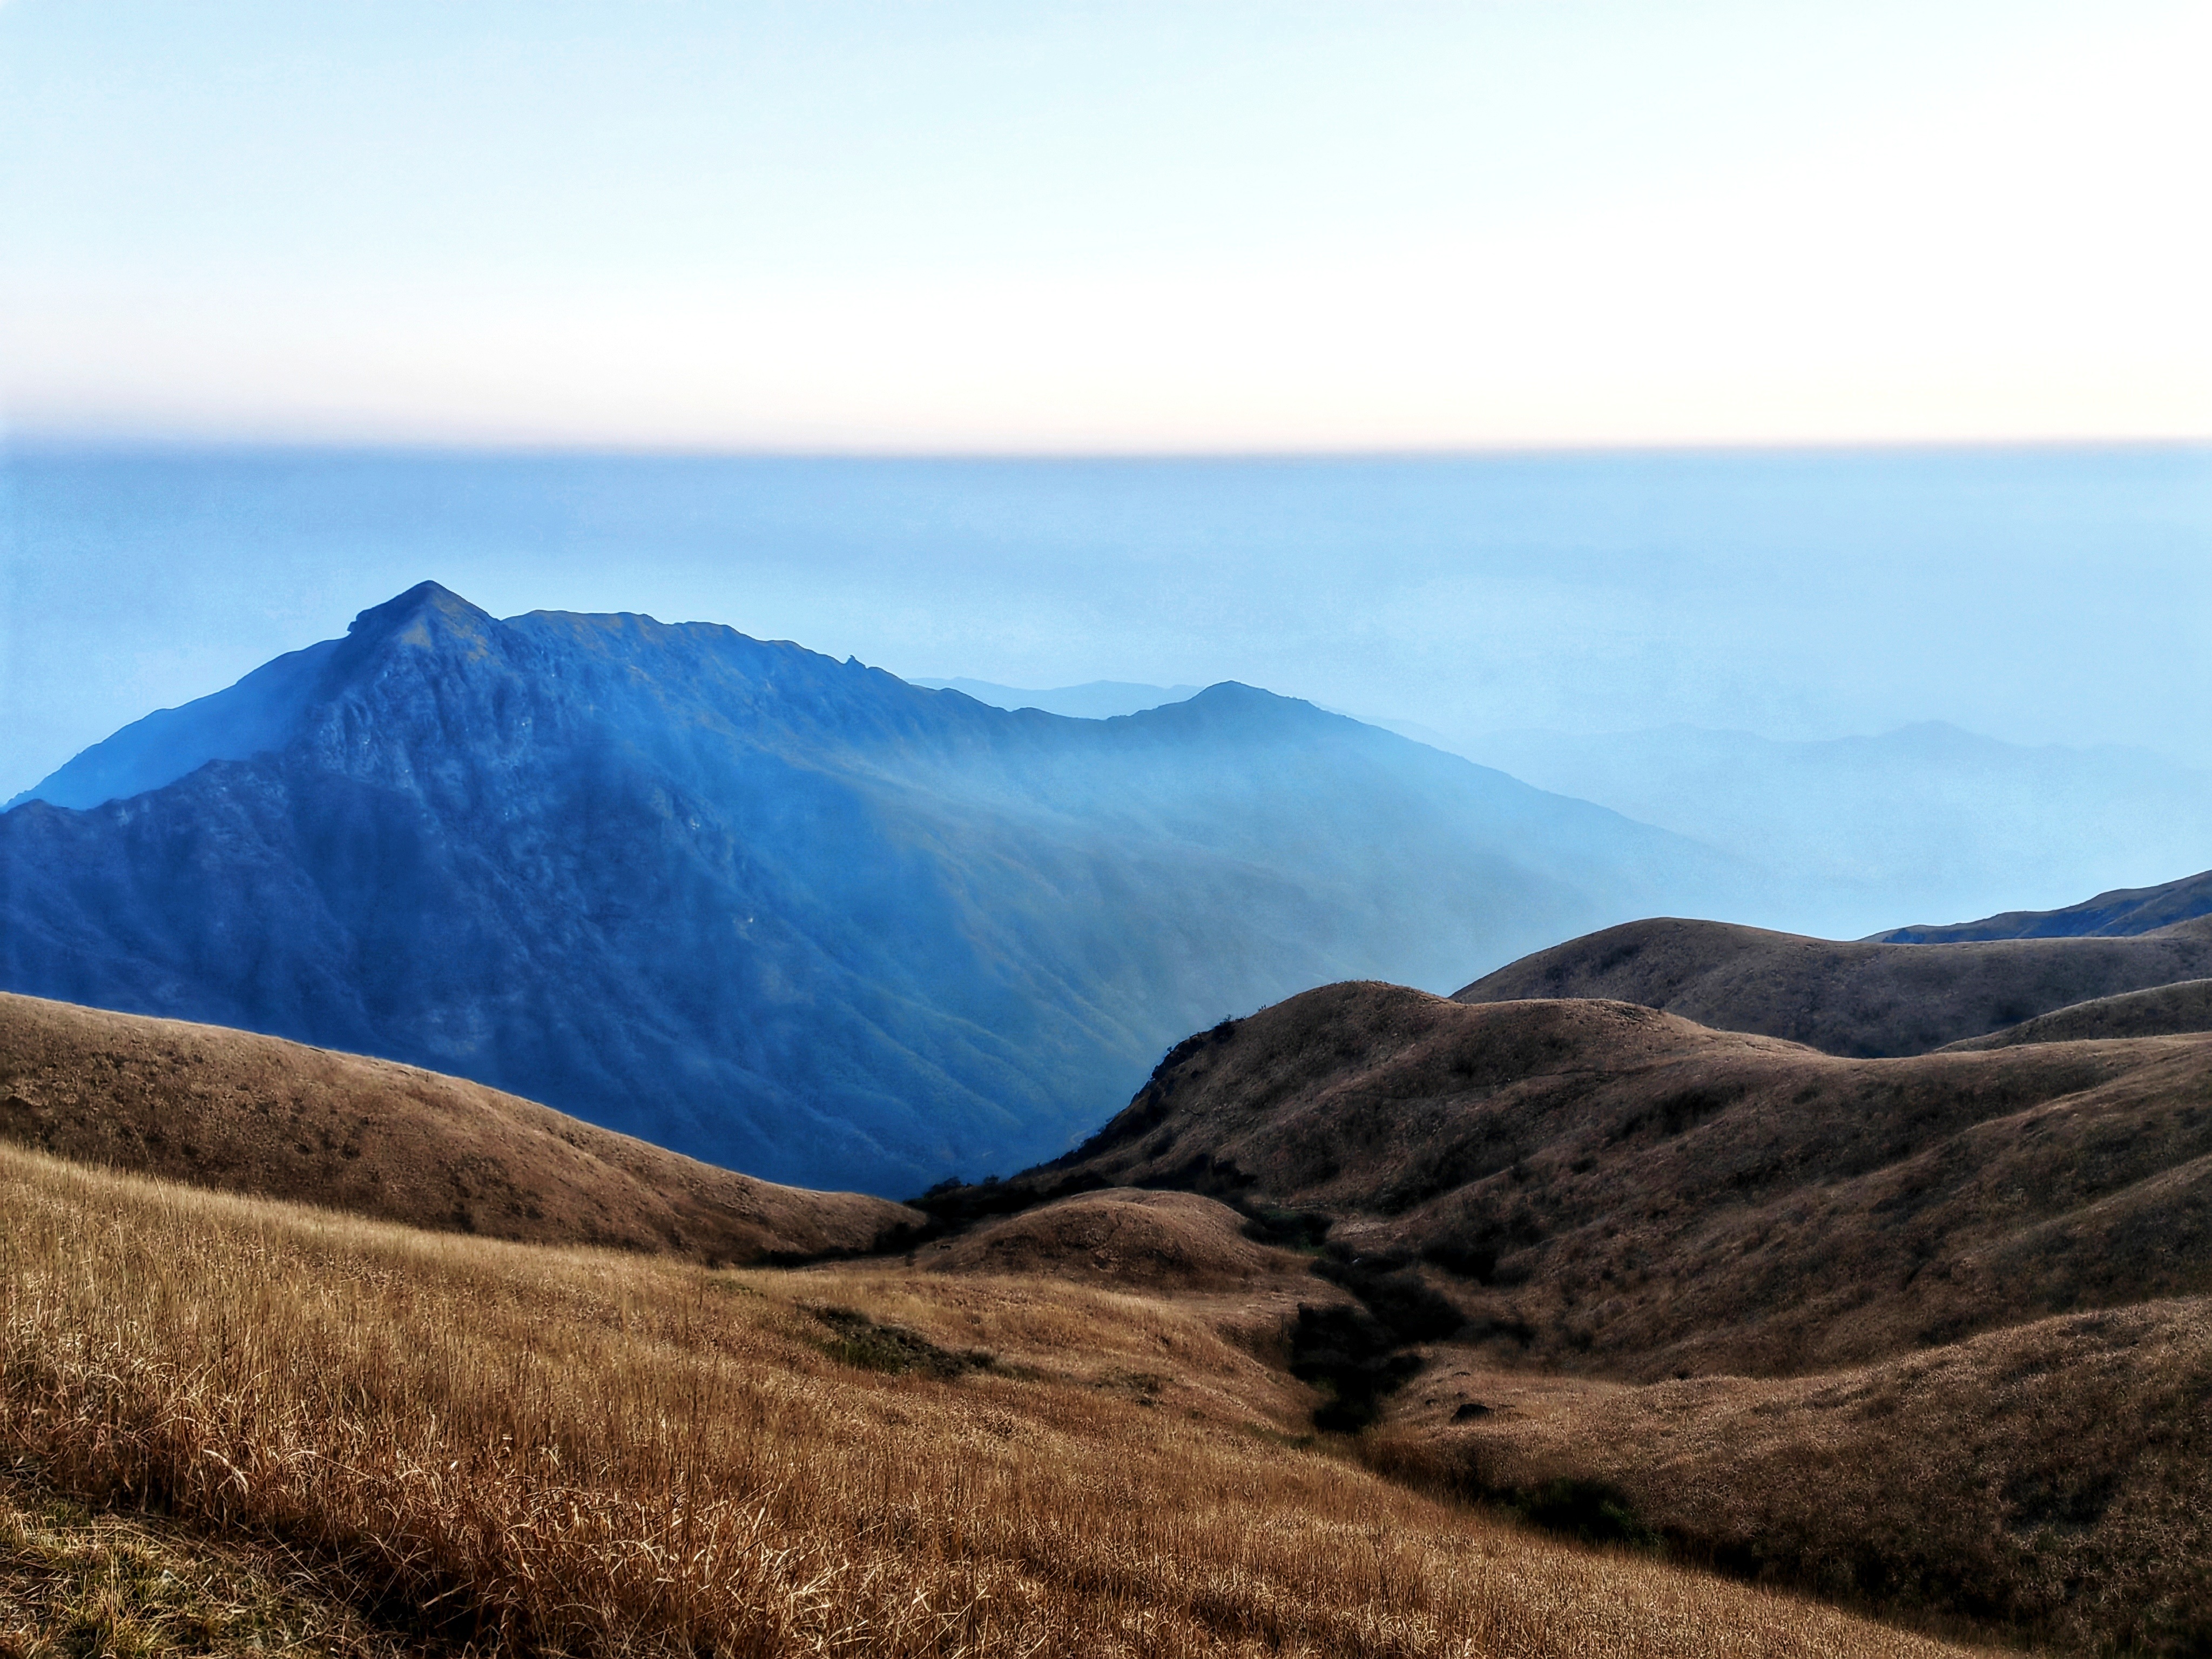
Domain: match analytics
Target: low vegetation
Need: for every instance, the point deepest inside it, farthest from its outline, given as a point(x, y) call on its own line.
point(1607, 1190)
point(1865, 998)
point(525, 1449)
point(250, 1113)
point(75, 1585)
point(2053, 1480)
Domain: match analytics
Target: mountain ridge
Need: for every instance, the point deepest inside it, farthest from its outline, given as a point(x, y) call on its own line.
point(1863, 998)
point(781, 912)
point(1600, 1187)
point(2123, 912)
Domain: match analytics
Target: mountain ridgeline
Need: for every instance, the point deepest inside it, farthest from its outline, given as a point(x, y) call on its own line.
point(793, 915)
point(1908, 991)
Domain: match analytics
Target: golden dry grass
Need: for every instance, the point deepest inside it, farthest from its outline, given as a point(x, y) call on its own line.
point(78, 1585)
point(575, 1451)
point(1129, 1239)
point(234, 1110)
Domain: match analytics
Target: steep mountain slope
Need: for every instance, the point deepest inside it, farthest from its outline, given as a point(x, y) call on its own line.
point(2120, 914)
point(786, 914)
point(1864, 998)
point(1598, 1186)
point(247, 1114)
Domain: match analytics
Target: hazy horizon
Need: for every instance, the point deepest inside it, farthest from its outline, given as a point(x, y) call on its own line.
point(2034, 595)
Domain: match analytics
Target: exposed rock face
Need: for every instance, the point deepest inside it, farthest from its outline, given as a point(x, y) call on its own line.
point(791, 915)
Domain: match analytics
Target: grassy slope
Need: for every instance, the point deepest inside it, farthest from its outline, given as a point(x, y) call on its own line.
point(229, 1109)
point(1861, 998)
point(1639, 1196)
point(2162, 1011)
point(1128, 1240)
point(2054, 1478)
point(75, 1582)
point(607, 1453)
point(1815, 1317)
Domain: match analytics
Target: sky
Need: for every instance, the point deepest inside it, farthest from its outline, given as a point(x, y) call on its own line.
point(1154, 228)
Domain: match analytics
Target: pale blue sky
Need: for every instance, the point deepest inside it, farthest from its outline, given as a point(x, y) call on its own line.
point(922, 226)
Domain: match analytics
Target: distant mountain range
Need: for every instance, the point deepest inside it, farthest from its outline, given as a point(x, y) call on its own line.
point(1852, 834)
point(1094, 700)
point(2121, 914)
point(793, 915)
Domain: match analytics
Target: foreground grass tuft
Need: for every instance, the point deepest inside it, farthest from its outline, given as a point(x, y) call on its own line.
point(74, 1585)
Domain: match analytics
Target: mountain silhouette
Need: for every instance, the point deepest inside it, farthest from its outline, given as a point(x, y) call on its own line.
point(790, 915)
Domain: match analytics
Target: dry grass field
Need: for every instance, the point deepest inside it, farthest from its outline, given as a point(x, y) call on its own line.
point(524, 1448)
point(79, 1584)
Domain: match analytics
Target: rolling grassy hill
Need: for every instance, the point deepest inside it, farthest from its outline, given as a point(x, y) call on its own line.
point(2162, 1011)
point(1615, 1189)
point(398, 1440)
point(2119, 913)
point(241, 1113)
point(1927, 1332)
point(1863, 998)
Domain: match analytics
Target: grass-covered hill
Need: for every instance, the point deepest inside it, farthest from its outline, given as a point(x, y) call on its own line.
point(230, 1425)
point(1615, 1188)
point(233, 1111)
point(1926, 1332)
point(1864, 997)
point(2162, 1010)
point(2119, 913)
point(1925, 1337)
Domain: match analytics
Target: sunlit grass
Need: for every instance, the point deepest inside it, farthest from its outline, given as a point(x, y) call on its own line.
point(581, 1452)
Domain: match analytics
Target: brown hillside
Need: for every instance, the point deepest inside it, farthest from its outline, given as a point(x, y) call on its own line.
point(228, 1109)
point(1148, 1240)
point(1611, 1189)
point(1863, 998)
point(2052, 1476)
point(2162, 1011)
